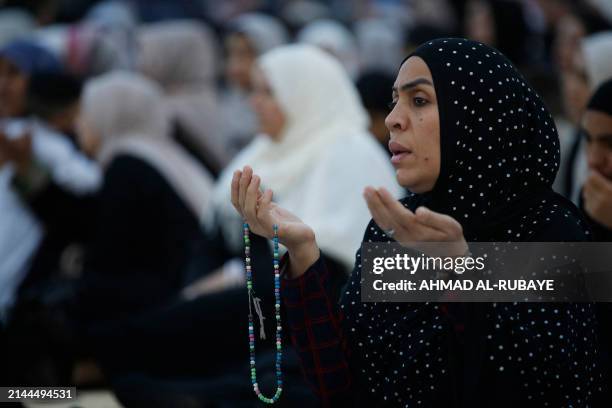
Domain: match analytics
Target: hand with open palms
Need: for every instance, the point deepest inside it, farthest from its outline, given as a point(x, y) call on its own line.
point(261, 213)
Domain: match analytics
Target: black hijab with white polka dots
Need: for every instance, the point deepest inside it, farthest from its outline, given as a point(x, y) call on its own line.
point(499, 144)
point(499, 157)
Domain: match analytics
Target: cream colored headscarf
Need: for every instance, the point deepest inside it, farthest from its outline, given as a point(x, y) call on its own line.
point(128, 112)
point(325, 156)
point(181, 57)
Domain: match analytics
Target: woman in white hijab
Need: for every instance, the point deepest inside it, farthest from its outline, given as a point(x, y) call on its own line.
point(181, 57)
point(315, 153)
point(151, 195)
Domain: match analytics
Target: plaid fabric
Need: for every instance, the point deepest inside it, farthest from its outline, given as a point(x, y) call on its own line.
point(315, 322)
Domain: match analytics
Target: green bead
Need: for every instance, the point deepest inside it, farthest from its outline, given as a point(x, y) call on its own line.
point(277, 308)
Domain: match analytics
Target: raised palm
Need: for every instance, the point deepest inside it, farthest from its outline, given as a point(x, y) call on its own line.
point(261, 213)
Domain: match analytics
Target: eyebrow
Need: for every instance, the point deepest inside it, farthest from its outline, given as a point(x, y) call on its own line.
point(409, 85)
point(603, 136)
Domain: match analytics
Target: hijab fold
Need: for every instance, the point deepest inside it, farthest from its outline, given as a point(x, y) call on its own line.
point(180, 56)
point(129, 114)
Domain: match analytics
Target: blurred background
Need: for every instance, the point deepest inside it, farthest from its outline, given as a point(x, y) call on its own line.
point(121, 265)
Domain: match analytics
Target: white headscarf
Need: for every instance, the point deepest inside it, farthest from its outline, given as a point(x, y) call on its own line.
point(181, 57)
point(334, 38)
point(325, 156)
point(128, 112)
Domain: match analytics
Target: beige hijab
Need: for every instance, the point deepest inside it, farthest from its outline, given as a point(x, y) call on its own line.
point(128, 112)
point(181, 57)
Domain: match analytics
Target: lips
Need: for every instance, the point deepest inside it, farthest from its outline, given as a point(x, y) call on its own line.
point(399, 152)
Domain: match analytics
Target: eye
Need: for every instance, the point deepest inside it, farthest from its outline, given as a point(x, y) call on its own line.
point(418, 101)
point(586, 136)
point(391, 105)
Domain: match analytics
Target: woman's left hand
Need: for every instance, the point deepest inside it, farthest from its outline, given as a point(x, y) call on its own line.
point(408, 227)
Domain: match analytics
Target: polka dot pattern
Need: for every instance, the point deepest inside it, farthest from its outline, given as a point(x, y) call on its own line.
point(500, 155)
point(498, 141)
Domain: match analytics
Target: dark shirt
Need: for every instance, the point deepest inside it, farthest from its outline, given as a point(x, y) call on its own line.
point(139, 234)
point(143, 238)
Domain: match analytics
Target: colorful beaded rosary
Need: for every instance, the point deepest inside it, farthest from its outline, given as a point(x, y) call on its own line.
point(256, 303)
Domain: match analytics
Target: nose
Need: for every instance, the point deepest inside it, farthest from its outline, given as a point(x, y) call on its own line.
point(596, 159)
point(396, 120)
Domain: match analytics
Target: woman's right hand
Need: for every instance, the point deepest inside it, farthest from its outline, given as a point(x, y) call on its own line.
point(261, 213)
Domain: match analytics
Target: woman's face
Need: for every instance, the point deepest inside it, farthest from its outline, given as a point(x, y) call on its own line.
point(268, 110)
point(13, 87)
point(597, 127)
point(414, 126)
point(575, 87)
point(240, 60)
point(569, 32)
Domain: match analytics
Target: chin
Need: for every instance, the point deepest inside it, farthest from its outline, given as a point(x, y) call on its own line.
point(411, 181)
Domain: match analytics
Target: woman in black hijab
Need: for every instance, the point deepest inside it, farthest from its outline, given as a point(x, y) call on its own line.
point(479, 150)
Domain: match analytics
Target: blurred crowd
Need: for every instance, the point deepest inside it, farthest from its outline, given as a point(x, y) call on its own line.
point(121, 123)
